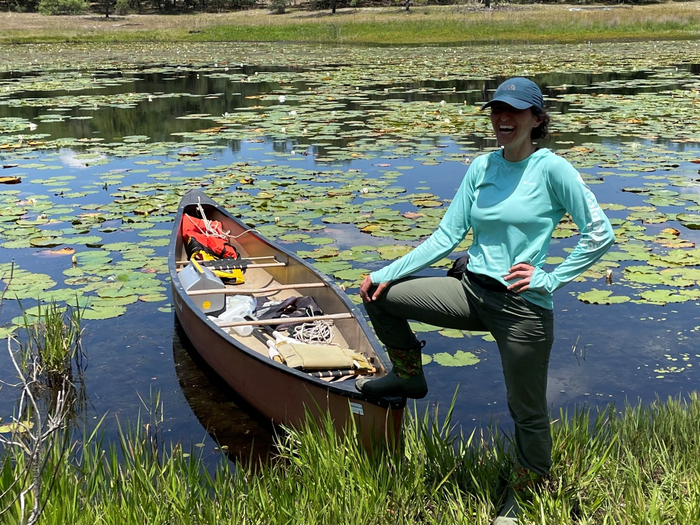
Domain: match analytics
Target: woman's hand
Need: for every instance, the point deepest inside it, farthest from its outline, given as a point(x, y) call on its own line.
point(523, 272)
point(369, 292)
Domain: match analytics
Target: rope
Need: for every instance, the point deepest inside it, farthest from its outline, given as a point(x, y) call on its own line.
point(315, 332)
point(213, 231)
point(209, 229)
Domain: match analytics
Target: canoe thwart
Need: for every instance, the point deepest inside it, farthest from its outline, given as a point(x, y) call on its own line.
point(236, 264)
point(262, 257)
point(287, 320)
point(237, 290)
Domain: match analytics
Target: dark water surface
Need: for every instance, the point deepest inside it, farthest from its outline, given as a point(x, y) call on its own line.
point(602, 353)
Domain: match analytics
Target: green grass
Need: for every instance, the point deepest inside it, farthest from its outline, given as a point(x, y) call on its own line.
point(449, 32)
point(434, 25)
point(640, 466)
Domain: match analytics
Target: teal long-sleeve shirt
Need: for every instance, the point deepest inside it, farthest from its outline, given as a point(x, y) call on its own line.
point(513, 208)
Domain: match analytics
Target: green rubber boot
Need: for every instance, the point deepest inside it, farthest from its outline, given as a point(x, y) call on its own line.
point(392, 384)
point(509, 512)
point(522, 483)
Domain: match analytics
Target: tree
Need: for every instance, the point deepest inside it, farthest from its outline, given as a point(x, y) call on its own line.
point(107, 6)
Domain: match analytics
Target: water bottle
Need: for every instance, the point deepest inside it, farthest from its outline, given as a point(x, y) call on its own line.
point(244, 330)
point(237, 307)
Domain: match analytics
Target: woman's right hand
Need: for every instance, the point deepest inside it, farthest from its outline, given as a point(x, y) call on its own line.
point(369, 291)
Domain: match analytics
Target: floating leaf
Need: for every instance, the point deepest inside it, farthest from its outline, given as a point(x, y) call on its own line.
point(393, 252)
point(459, 358)
point(103, 313)
point(601, 297)
point(449, 332)
point(16, 426)
point(689, 220)
point(422, 327)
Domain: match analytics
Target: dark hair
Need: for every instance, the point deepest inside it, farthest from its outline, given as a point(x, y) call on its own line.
point(540, 131)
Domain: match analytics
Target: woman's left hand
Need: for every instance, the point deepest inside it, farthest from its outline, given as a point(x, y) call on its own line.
point(523, 272)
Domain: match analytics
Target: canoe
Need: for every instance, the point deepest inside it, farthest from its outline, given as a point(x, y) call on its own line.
point(280, 393)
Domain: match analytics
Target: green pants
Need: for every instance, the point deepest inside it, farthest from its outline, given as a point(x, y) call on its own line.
point(524, 333)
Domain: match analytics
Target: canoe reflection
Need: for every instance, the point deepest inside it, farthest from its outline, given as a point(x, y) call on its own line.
point(241, 432)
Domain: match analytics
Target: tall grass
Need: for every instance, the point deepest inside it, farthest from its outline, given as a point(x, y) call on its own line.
point(48, 398)
point(641, 465)
point(54, 341)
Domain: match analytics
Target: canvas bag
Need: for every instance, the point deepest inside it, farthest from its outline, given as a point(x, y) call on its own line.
point(320, 356)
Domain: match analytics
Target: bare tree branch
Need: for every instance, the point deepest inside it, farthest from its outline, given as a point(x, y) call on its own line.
point(36, 440)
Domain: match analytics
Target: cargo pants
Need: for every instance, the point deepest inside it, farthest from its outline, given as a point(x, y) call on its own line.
point(523, 331)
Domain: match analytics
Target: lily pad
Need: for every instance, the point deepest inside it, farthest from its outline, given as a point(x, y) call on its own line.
point(596, 296)
point(459, 358)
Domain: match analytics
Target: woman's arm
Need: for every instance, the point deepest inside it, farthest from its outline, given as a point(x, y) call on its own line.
point(597, 235)
point(452, 229)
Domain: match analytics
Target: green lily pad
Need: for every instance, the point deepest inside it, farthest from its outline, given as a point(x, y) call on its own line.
point(103, 313)
point(25, 426)
point(459, 358)
point(449, 332)
point(596, 296)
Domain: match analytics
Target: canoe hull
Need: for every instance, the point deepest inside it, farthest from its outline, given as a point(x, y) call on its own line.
point(283, 398)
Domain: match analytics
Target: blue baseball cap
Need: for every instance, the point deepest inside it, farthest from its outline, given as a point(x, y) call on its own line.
point(518, 92)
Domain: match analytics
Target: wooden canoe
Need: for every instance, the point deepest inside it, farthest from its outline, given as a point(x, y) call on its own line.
point(281, 394)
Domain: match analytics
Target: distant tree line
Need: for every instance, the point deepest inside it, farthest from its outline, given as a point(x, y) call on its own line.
point(110, 7)
point(64, 7)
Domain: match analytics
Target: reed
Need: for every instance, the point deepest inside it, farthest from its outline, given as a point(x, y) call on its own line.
point(638, 465)
point(53, 339)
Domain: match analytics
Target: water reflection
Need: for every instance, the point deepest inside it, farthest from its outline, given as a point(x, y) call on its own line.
point(231, 422)
point(163, 100)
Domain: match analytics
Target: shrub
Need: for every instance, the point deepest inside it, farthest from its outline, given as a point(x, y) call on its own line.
point(123, 7)
point(277, 6)
point(62, 7)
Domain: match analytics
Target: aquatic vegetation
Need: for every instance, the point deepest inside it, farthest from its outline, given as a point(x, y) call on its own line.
point(350, 162)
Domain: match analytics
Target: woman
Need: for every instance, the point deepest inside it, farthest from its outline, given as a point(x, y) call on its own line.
point(512, 200)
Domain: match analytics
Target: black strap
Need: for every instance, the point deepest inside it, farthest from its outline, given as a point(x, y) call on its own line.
point(487, 283)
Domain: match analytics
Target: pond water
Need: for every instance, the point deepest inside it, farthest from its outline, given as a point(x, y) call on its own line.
point(353, 157)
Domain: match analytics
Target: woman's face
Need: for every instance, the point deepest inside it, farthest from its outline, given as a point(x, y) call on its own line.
point(513, 127)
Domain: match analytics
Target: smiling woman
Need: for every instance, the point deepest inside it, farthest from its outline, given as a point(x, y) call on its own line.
point(512, 199)
point(518, 117)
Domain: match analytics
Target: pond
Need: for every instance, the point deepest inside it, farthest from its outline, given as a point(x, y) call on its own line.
point(349, 156)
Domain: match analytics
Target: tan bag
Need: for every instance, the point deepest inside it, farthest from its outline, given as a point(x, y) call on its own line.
point(320, 356)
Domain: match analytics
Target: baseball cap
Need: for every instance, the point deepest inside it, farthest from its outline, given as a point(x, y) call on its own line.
point(519, 92)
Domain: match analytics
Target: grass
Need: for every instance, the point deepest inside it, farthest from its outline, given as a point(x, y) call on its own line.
point(638, 466)
point(438, 25)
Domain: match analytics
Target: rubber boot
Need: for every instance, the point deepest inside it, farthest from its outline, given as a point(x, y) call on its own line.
point(393, 385)
point(522, 481)
point(406, 378)
point(509, 512)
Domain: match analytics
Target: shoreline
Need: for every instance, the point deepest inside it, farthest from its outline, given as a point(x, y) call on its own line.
point(429, 25)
